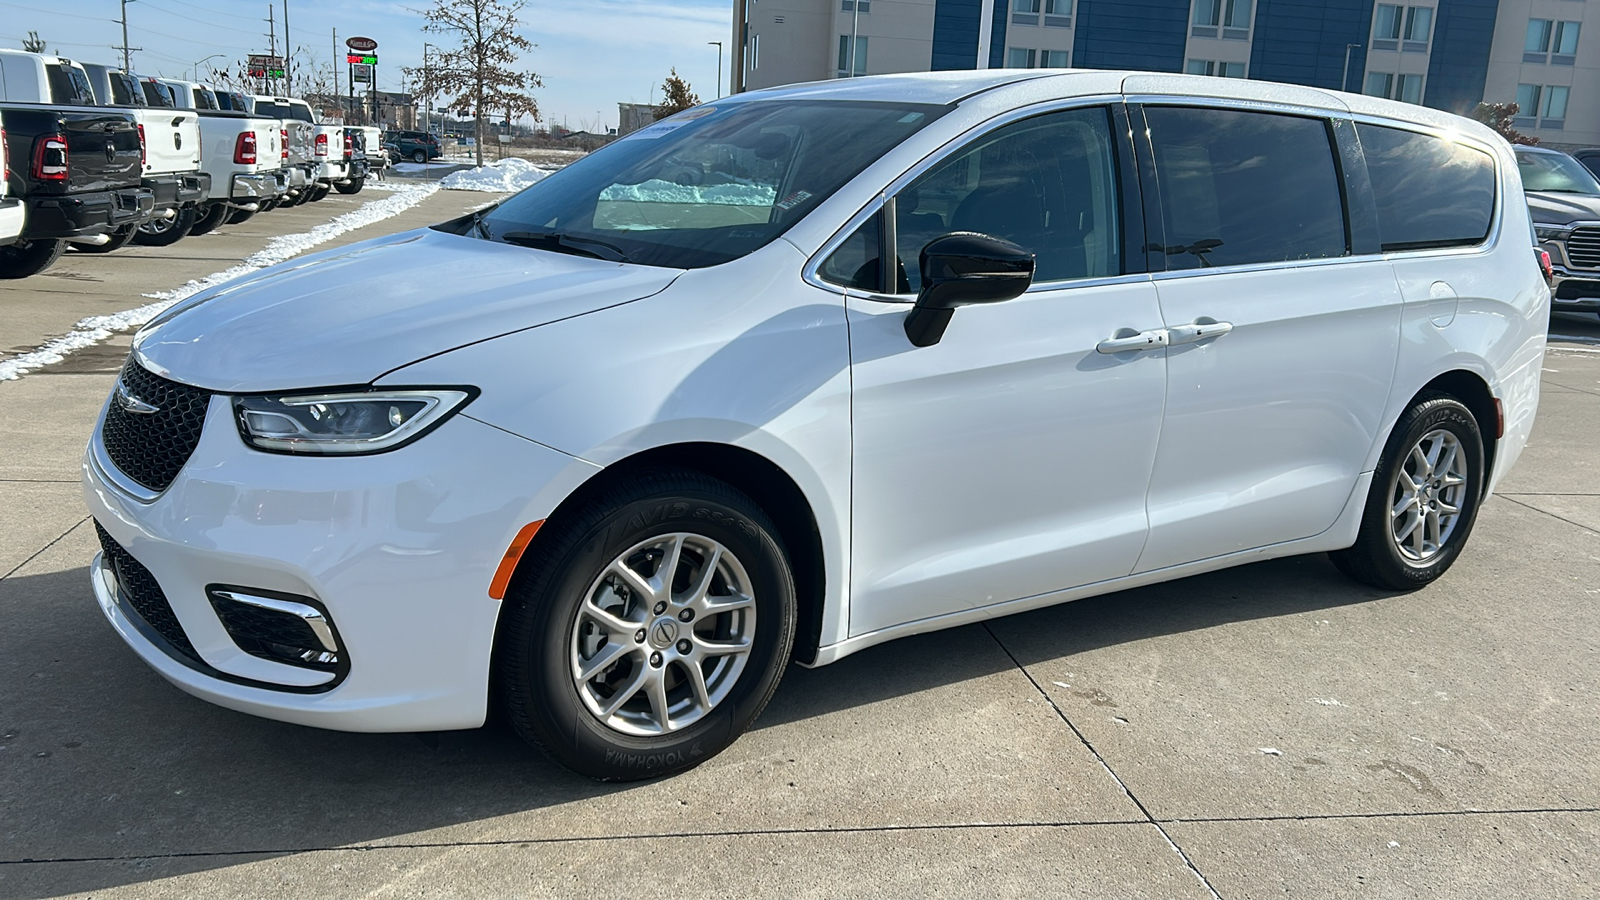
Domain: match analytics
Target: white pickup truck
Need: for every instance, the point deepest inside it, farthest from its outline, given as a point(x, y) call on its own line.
point(171, 161)
point(12, 212)
point(242, 153)
point(299, 136)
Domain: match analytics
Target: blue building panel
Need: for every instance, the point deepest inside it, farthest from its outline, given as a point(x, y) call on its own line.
point(955, 33)
point(1130, 34)
point(1304, 41)
point(1464, 31)
point(997, 40)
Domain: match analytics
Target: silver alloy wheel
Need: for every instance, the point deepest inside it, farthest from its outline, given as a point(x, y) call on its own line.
point(1427, 497)
point(663, 634)
point(159, 226)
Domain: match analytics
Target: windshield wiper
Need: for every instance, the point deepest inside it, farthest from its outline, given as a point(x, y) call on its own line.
point(566, 243)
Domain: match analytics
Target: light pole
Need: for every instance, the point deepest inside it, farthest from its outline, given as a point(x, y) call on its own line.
point(196, 66)
point(427, 89)
point(719, 67)
point(1344, 80)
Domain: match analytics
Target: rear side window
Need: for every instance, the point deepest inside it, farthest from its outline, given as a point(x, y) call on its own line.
point(68, 86)
point(1431, 192)
point(156, 95)
point(1245, 187)
point(203, 99)
point(125, 91)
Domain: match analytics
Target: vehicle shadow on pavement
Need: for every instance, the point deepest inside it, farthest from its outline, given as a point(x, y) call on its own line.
point(111, 776)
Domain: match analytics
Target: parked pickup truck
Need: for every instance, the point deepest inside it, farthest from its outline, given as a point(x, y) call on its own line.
point(12, 212)
point(242, 153)
point(75, 166)
point(171, 155)
point(299, 135)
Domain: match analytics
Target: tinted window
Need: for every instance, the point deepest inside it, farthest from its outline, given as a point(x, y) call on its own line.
point(125, 91)
point(68, 86)
point(156, 95)
point(204, 99)
point(1245, 187)
point(1431, 192)
point(1047, 183)
point(1554, 172)
point(856, 263)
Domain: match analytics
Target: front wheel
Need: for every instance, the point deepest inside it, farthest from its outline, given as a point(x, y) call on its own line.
point(1424, 498)
point(162, 232)
point(648, 629)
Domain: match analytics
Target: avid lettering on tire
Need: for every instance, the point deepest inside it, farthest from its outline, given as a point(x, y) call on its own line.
point(647, 627)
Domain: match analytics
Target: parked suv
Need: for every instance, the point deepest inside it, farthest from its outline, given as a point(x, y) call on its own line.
point(1564, 198)
point(619, 448)
point(417, 146)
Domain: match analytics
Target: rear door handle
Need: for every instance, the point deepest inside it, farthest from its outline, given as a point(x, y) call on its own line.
point(1199, 331)
point(1127, 341)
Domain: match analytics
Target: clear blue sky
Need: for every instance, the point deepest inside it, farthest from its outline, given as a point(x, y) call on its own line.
point(591, 54)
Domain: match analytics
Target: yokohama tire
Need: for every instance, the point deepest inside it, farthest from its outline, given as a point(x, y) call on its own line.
point(210, 220)
point(171, 231)
point(546, 618)
point(1379, 557)
point(26, 258)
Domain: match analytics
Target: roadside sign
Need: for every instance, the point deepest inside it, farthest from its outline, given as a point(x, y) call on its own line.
point(361, 59)
point(361, 44)
point(260, 65)
point(361, 73)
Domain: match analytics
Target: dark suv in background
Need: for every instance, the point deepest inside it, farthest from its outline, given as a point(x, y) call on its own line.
point(417, 146)
point(1564, 198)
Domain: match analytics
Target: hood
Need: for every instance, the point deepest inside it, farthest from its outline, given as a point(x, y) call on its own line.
point(1550, 208)
point(353, 314)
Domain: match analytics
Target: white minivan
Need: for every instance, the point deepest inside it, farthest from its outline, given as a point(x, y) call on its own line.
point(804, 370)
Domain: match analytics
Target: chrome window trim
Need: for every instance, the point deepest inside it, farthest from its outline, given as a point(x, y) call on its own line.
point(810, 272)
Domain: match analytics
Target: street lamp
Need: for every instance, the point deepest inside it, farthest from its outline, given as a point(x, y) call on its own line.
point(1344, 80)
point(196, 66)
point(427, 88)
point(719, 67)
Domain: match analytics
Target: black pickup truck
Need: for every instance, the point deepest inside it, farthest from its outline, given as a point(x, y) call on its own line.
point(77, 171)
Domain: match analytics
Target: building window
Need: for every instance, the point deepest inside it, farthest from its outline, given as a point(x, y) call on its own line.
point(849, 6)
point(844, 56)
point(1386, 23)
point(1058, 7)
point(1406, 88)
point(1419, 24)
point(1018, 58)
point(1027, 7)
point(1551, 42)
point(1219, 69)
point(1542, 106)
point(1393, 23)
point(1226, 13)
point(1053, 59)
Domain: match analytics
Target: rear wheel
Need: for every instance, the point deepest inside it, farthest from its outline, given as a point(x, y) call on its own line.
point(1424, 498)
point(239, 216)
point(26, 258)
point(419, 156)
point(119, 239)
point(210, 219)
point(353, 186)
point(320, 192)
point(162, 232)
point(648, 629)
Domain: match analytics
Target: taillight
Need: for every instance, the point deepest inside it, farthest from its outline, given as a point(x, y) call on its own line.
point(5, 159)
point(1546, 267)
point(322, 145)
point(142, 156)
point(244, 150)
point(349, 146)
point(50, 158)
point(283, 135)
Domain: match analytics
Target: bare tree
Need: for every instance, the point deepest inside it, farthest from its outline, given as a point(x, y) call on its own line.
point(679, 97)
point(34, 43)
point(478, 77)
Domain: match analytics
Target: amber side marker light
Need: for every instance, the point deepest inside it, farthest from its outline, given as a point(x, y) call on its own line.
point(508, 563)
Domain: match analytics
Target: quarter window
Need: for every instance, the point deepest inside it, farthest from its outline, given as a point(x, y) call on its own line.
point(1431, 192)
point(857, 262)
point(1245, 187)
point(1048, 183)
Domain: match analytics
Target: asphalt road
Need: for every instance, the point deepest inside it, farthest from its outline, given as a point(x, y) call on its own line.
point(1269, 731)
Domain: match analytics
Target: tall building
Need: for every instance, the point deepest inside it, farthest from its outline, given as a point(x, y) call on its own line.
point(1449, 54)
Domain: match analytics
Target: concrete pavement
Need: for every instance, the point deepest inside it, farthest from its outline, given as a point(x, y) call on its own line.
point(1268, 731)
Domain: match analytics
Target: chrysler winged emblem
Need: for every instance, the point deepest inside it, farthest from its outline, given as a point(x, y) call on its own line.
point(132, 404)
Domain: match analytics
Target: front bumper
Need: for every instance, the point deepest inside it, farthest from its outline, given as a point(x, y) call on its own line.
point(260, 186)
point(85, 215)
point(399, 548)
point(178, 189)
point(1575, 291)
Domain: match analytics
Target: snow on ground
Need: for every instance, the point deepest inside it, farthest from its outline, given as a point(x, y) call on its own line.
point(508, 175)
point(658, 191)
point(95, 329)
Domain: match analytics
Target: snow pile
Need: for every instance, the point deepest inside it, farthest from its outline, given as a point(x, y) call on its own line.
point(508, 175)
point(658, 191)
point(95, 329)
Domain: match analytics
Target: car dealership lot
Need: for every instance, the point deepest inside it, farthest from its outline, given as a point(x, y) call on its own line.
point(1273, 730)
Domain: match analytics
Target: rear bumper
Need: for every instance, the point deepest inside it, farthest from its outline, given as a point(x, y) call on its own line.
point(260, 186)
point(178, 189)
point(85, 215)
point(12, 216)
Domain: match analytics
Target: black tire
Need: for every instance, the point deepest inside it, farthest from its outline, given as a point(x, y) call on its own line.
point(239, 216)
point(211, 219)
point(119, 239)
point(270, 205)
point(419, 156)
point(539, 628)
point(353, 186)
point(164, 232)
point(1377, 558)
point(321, 191)
point(26, 258)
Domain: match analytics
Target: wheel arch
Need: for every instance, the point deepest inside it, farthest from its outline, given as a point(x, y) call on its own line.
point(1475, 394)
point(764, 482)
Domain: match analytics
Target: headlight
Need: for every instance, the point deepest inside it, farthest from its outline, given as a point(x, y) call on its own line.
point(363, 422)
point(1552, 232)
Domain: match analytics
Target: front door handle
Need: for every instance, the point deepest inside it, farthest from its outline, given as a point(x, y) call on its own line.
point(1129, 341)
point(1199, 331)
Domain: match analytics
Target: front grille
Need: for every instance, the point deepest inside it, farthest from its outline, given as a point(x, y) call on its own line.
point(151, 447)
point(1583, 247)
point(141, 591)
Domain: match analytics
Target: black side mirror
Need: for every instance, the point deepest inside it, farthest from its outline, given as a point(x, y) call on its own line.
point(961, 269)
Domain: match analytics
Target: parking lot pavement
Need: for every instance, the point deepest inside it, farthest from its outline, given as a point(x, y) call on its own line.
point(1268, 731)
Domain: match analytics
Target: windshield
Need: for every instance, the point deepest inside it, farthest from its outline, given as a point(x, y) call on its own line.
point(1555, 172)
point(708, 185)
